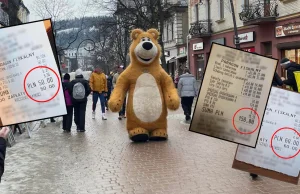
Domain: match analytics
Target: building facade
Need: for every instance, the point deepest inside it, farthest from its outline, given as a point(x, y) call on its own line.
point(267, 27)
point(174, 36)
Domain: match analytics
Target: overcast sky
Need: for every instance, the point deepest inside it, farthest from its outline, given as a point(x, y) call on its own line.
point(33, 17)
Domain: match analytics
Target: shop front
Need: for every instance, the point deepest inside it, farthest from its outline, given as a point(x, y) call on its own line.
point(181, 60)
point(170, 57)
point(287, 34)
point(197, 58)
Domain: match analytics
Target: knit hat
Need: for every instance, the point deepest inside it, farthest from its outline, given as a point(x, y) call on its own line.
point(67, 76)
point(78, 72)
point(284, 61)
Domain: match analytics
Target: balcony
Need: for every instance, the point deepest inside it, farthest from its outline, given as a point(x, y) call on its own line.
point(4, 19)
point(201, 29)
point(259, 13)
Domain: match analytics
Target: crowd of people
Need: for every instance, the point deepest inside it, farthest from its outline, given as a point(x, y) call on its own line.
point(77, 91)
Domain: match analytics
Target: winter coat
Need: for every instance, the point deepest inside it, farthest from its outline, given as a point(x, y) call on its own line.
point(291, 81)
point(109, 83)
point(187, 86)
point(277, 80)
point(98, 82)
point(79, 78)
point(2, 155)
point(66, 86)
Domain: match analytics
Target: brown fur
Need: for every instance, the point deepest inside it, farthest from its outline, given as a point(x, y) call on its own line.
point(126, 82)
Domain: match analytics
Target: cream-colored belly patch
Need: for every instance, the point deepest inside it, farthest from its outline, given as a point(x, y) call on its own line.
point(147, 103)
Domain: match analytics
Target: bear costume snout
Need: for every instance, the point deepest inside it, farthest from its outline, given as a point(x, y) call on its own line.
point(146, 51)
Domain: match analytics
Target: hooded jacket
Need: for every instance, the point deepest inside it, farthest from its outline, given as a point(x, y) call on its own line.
point(291, 81)
point(98, 82)
point(80, 78)
point(277, 80)
point(2, 155)
point(187, 86)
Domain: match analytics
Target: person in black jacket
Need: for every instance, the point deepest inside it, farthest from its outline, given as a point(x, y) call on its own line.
point(277, 80)
point(3, 135)
point(79, 90)
point(291, 67)
point(109, 89)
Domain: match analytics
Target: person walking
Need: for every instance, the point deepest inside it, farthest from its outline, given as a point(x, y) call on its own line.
point(3, 136)
point(98, 84)
point(187, 89)
point(115, 78)
point(109, 88)
point(290, 67)
point(79, 90)
point(67, 119)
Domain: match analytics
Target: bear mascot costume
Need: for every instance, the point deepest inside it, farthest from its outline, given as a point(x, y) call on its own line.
point(150, 89)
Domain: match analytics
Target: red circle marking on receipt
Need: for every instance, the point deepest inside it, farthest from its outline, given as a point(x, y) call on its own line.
point(233, 122)
point(40, 67)
point(284, 128)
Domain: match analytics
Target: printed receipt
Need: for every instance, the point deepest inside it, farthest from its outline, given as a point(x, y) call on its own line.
point(233, 95)
point(22, 98)
point(283, 110)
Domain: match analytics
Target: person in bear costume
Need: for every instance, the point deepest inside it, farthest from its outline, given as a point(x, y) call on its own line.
point(150, 89)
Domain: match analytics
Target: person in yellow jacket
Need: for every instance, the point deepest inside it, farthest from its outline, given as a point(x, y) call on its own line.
point(98, 84)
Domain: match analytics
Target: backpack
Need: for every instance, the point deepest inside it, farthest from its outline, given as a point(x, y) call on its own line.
point(78, 91)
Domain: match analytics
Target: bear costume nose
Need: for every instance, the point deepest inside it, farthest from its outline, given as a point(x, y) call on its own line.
point(147, 45)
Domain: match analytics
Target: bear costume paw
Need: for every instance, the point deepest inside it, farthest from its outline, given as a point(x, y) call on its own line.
point(159, 135)
point(115, 105)
point(139, 134)
point(173, 102)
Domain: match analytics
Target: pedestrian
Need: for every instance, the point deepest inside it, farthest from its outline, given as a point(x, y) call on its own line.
point(115, 78)
point(98, 84)
point(109, 88)
point(290, 67)
point(67, 119)
point(3, 136)
point(79, 90)
point(277, 80)
point(187, 89)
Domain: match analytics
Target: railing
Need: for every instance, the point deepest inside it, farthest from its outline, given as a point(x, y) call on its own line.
point(258, 10)
point(4, 19)
point(201, 28)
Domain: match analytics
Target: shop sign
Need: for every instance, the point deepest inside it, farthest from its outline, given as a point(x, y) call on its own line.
point(287, 30)
point(246, 37)
point(181, 50)
point(219, 41)
point(167, 53)
point(198, 46)
point(249, 49)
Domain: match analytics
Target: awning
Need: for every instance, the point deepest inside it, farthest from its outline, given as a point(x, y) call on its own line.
point(169, 58)
point(181, 56)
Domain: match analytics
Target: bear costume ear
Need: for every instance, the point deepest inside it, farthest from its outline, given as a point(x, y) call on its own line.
point(154, 33)
point(135, 33)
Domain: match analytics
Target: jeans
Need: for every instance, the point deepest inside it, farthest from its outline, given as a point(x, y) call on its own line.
point(186, 103)
point(79, 114)
point(67, 119)
point(97, 95)
point(123, 110)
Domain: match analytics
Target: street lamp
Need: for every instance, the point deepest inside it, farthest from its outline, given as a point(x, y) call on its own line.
point(236, 36)
point(89, 50)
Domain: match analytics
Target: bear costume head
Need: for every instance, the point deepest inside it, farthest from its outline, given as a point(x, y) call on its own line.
point(144, 49)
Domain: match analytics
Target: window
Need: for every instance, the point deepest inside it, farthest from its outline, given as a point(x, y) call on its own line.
point(167, 33)
point(172, 33)
point(221, 9)
point(197, 12)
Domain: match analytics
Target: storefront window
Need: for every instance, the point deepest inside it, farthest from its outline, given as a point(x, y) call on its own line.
point(290, 54)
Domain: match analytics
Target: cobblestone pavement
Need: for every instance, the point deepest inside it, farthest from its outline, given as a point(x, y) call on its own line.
point(104, 161)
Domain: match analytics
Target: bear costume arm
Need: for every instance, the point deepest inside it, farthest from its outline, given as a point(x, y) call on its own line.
point(170, 92)
point(116, 99)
